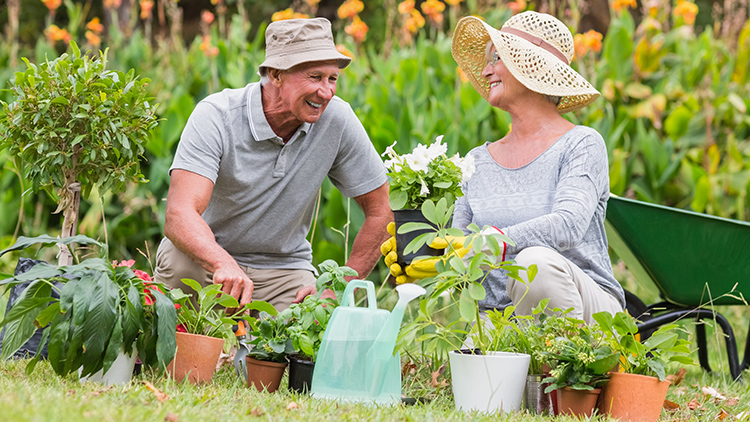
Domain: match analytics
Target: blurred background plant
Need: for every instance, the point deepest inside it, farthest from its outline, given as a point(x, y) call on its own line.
point(675, 90)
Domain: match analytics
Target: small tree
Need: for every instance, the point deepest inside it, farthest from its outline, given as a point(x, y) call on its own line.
point(75, 125)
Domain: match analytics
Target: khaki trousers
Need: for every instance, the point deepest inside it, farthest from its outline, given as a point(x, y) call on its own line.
point(276, 286)
point(563, 282)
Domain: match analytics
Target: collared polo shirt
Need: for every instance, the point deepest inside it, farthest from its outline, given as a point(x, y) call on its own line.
point(264, 193)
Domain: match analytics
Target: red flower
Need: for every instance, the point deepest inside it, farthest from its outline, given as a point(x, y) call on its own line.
point(181, 328)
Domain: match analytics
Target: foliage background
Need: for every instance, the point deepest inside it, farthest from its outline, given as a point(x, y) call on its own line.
point(673, 110)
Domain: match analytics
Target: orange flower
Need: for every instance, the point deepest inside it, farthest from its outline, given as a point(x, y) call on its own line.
point(282, 15)
point(590, 41)
point(414, 21)
point(517, 6)
point(618, 5)
point(300, 16)
point(207, 17)
point(461, 74)
point(686, 10)
point(406, 6)
point(93, 39)
point(312, 3)
point(52, 4)
point(357, 29)
point(95, 26)
point(454, 2)
point(146, 7)
point(207, 48)
point(345, 51)
point(112, 4)
point(350, 9)
point(54, 34)
point(433, 7)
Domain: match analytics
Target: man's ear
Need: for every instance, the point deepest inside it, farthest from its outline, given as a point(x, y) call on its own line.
point(275, 76)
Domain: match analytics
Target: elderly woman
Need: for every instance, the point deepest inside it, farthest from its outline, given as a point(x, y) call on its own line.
point(545, 184)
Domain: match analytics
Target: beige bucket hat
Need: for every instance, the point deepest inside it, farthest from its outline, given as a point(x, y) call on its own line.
point(294, 41)
point(535, 47)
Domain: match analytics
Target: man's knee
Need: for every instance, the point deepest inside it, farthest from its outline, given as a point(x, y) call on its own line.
point(547, 278)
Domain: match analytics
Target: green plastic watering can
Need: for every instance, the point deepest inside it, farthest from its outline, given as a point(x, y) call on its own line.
point(356, 362)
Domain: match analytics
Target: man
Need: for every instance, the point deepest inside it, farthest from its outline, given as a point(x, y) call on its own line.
point(248, 168)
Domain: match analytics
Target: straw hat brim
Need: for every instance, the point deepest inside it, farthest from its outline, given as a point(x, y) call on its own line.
point(536, 68)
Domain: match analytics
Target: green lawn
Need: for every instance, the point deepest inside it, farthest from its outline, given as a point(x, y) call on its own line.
point(43, 396)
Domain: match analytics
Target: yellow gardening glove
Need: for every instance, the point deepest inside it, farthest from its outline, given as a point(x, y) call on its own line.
point(421, 268)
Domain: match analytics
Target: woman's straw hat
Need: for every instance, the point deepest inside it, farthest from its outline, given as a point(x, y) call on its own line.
point(535, 47)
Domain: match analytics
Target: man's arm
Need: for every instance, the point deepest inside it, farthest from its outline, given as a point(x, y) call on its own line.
point(188, 197)
point(366, 248)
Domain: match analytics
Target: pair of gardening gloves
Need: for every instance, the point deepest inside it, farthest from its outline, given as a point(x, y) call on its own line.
point(423, 268)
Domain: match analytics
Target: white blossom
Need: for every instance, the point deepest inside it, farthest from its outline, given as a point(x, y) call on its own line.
point(467, 168)
point(424, 191)
point(419, 159)
point(390, 152)
point(437, 149)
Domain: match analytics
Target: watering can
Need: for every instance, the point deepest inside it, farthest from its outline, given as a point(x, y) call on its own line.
point(356, 362)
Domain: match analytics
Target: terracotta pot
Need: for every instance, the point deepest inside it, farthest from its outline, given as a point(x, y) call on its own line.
point(576, 402)
point(264, 375)
point(195, 358)
point(631, 397)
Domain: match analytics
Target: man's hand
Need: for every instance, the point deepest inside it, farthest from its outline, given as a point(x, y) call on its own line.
point(235, 283)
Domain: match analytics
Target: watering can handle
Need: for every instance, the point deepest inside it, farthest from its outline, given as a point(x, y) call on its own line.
point(348, 299)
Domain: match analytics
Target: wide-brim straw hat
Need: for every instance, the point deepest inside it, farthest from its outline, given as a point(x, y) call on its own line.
point(537, 50)
point(294, 41)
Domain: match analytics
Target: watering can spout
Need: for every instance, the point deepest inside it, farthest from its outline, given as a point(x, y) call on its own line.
point(382, 349)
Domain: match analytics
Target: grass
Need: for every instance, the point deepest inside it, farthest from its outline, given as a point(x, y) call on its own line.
point(43, 396)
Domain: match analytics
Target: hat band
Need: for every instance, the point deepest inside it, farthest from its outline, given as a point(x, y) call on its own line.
point(536, 41)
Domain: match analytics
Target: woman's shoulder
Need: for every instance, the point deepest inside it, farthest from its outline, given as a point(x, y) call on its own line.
point(583, 133)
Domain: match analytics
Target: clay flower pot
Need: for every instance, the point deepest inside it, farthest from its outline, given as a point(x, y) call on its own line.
point(630, 397)
point(196, 357)
point(264, 375)
point(576, 402)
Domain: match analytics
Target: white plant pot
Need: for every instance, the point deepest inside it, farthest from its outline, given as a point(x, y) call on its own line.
point(121, 371)
point(489, 383)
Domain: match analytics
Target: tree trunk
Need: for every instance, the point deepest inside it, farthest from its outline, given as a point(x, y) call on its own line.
point(70, 201)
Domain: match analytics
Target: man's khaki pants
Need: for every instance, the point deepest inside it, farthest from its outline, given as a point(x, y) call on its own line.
point(562, 282)
point(278, 287)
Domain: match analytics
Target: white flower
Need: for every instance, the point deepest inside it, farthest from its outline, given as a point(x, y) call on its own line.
point(424, 191)
point(390, 152)
point(467, 168)
point(394, 164)
point(419, 159)
point(437, 149)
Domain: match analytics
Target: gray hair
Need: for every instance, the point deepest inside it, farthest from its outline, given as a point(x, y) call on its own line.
point(554, 99)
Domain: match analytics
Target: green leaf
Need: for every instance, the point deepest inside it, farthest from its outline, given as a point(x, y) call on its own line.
point(22, 315)
point(166, 317)
point(24, 242)
point(100, 319)
point(113, 346)
point(261, 306)
point(467, 306)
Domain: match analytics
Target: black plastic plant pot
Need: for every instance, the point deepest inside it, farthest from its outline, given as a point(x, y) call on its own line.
point(402, 217)
point(300, 374)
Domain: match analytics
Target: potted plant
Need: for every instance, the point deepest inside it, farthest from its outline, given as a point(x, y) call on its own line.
point(73, 125)
point(100, 311)
point(637, 392)
point(267, 358)
point(307, 321)
point(580, 361)
point(477, 373)
point(202, 330)
point(425, 174)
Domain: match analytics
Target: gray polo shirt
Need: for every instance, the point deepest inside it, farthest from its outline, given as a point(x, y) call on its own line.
point(264, 190)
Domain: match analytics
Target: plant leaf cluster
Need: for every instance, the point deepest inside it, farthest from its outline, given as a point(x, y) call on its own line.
point(73, 117)
point(650, 357)
point(101, 310)
point(306, 322)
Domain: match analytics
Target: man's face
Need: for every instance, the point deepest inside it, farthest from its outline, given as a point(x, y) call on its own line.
point(307, 88)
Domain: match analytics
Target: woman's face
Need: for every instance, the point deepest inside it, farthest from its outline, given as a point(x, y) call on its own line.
point(504, 88)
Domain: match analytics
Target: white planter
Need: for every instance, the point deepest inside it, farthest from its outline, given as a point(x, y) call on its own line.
point(489, 383)
point(121, 371)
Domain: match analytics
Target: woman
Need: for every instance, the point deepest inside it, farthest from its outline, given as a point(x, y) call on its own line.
point(545, 184)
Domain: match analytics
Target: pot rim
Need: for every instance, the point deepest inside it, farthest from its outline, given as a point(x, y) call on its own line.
point(265, 362)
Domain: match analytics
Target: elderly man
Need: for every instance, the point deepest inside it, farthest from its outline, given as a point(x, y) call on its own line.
point(247, 171)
